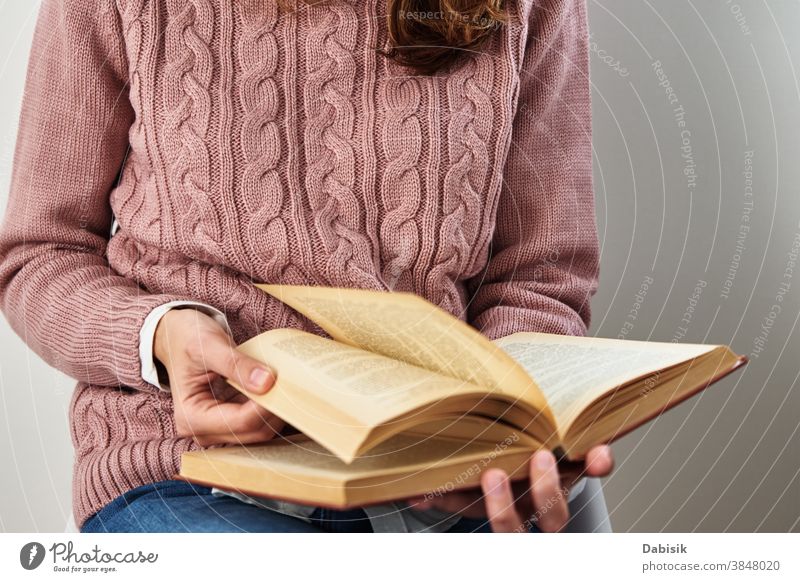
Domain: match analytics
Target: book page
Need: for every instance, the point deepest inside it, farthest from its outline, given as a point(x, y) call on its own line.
point(401, 467)
point(405, 327)
point(395, 455)
point(608, 418)
point(574, 371)
point(339, 394)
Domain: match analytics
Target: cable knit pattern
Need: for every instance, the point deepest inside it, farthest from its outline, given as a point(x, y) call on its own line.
point(400, 186)
point(330, 178)
point(190, 29)
point(131, 196)
point(260, 137)
point(469, 128)
point(238, 143)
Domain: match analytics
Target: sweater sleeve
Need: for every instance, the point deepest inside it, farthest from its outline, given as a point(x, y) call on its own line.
point(543, 262)
point(56, 287)
point(147, 337)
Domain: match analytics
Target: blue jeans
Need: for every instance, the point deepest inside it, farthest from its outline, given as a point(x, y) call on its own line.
point(177, 506)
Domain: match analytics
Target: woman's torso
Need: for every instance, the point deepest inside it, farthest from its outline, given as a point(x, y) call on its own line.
point(276, 146)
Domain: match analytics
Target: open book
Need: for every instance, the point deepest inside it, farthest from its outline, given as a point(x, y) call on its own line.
point(405, 399)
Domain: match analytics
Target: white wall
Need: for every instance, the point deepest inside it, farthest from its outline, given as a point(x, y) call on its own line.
point(727, 460)
point(35, 448)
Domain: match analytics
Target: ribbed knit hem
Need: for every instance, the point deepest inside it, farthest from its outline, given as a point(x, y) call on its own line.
point(122, 439)
point(120, 326)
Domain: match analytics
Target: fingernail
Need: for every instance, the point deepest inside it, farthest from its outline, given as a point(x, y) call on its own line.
point(544, 461)
point(495, 483)
point(259, 377)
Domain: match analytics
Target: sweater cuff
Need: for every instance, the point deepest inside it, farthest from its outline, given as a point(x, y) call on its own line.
point(147, 336)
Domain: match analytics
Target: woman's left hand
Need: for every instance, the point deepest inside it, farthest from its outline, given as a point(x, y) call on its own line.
point(515, 508)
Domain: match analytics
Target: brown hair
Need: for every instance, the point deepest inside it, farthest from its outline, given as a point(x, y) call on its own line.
point(428, 35)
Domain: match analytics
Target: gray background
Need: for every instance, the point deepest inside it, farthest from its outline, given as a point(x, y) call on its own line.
point(727, 460)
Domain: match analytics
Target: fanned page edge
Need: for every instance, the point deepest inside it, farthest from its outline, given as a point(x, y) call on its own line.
point(611, 383)
point(288, 294)
point(740, 361)
point(291, 389)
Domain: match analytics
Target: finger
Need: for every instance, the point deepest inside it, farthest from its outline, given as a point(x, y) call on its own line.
point(262, 436)
point(269, 430)
point(209, 417)
point(549, 499)
point(222, 357)
point(223, 391)
point(238, 397)
point(599, 461)
point(500, 502)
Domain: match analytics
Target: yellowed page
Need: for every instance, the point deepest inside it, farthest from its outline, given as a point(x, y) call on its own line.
point(406, 327)
point(574, 371)
point(401, 453)
point(402, 467)
point(338, 394)
point(609, 418)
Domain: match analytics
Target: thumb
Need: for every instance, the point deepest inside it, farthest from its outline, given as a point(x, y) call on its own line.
point(246, 372)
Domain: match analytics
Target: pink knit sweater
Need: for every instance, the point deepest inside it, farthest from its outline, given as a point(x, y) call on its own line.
point(236, 143)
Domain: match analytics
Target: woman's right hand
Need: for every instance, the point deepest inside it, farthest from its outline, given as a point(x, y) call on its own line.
point(198, 355)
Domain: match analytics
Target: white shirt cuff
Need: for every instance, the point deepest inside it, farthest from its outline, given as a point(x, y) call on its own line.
point(147, 336)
